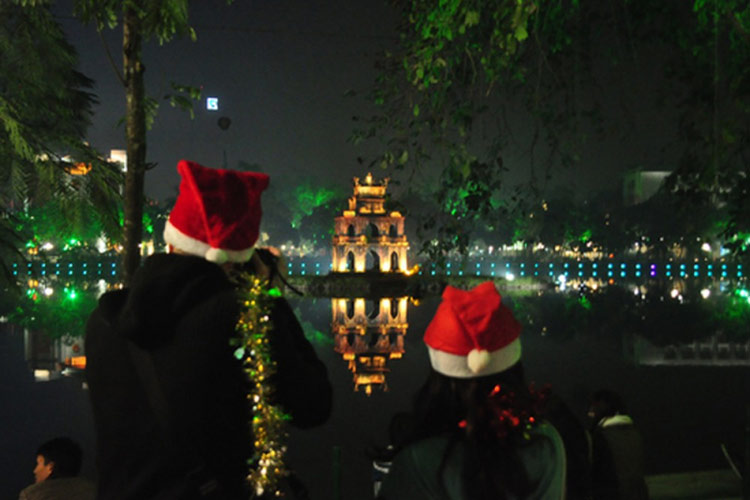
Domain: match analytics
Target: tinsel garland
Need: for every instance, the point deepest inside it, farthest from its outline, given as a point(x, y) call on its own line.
point(266, 467)
point(514, 416)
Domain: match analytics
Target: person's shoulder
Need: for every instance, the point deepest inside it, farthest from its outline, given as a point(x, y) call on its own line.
point(426, 450)
point(60, 489)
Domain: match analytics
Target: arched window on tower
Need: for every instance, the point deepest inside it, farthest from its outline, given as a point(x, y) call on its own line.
point(393, 231)
point(372, 261)
point(350, 231)
point(350, 261)
point(372, 231)
point(394, 262)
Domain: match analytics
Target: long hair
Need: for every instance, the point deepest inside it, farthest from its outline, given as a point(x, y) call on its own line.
point(463, 410)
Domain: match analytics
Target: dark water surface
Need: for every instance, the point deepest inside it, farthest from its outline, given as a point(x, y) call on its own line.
point(683, 412)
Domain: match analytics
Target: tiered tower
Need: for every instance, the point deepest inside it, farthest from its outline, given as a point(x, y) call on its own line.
point(366, 237)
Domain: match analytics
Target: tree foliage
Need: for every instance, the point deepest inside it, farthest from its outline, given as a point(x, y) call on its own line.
point(466, 73)
point(45, 108)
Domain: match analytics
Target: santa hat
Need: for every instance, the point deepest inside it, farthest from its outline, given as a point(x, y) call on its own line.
point(217, 213)
point(473, 334)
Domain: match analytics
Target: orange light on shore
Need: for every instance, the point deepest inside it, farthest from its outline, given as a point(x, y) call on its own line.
point(413, 270)
point(78, 362)
point(80, 168)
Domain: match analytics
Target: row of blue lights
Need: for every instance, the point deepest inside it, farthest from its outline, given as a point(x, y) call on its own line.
point(303, 268)
point(57, 269)
point(578, 269)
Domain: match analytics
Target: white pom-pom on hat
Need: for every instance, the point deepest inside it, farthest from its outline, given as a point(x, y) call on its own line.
point(478, 360)
point(216, 255)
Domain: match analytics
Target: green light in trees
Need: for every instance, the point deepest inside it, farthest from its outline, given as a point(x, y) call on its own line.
point(308, 199)
point(70, 293)
point(585, 236)
point(585, 303)
point(743, 292)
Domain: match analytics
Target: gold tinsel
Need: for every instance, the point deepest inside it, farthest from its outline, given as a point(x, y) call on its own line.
point(266, 467)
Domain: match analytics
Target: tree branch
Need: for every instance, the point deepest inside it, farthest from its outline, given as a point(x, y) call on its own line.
point(110, 58)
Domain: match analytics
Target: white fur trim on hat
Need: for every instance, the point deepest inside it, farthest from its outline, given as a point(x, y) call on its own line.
point(178, 239)
point(485, 362)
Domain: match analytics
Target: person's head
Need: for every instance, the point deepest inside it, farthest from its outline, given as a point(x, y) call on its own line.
point(56, 458)
point(217, 213)
point(474, 345)
point(605, 403)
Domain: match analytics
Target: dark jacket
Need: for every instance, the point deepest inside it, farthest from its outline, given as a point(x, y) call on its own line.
point(180, 313)
point(64, 488)
point(415, 472)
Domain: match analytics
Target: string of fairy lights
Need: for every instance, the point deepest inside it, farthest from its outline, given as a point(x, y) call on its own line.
point(266, 468)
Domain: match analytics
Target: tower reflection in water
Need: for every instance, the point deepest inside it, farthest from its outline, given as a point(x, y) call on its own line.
point(367, 334)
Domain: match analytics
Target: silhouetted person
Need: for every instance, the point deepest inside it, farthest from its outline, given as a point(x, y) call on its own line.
point(169, 396)
point(477, 432)
point(617, 457)
point(58, 462)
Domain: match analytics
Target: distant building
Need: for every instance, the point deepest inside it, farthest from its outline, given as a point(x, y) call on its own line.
point(640, 185)
point(367, 340)
point(366, 237)
point(51, 358)
point(712, 351)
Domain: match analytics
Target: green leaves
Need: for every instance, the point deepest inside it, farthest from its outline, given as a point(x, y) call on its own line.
point(183, 97)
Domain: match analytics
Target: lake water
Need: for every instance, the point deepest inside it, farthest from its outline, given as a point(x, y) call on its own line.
point(684, 412)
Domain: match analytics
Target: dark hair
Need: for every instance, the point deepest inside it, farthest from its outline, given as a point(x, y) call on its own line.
point(65, 454)
point(461, 409)
point(607, 403)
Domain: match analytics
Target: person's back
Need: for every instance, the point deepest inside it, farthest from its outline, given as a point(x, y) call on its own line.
point(177, 317)
point(617, 451)
point(414, 472)
point(477, 431)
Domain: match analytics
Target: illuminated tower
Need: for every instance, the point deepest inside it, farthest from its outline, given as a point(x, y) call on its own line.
point(367, 238)
point(368, 339)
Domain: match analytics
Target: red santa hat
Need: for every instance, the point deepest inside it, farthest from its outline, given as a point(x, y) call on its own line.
point(473, 334)
point(217, 213)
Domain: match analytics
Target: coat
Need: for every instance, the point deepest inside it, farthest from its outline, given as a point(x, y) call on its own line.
point(63, 488)
point(180, 313)
point(413, 474)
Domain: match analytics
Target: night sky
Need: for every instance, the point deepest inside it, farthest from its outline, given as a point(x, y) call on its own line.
point(280, 69)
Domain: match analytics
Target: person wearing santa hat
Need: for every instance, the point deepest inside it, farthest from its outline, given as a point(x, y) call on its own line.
point(169, 396)
point(477, 432)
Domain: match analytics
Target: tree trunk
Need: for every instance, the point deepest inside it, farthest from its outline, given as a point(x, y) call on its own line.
point(135, 136)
